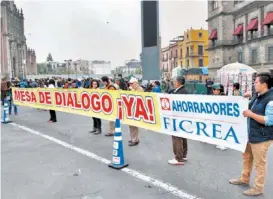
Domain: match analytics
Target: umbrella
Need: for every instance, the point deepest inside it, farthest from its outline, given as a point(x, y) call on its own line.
point(237, 68)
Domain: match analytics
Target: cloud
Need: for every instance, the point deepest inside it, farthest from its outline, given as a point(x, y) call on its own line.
point(79, 29)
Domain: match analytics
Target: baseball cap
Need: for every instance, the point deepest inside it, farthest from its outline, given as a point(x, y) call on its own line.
point(216, 86)
point(133, 80)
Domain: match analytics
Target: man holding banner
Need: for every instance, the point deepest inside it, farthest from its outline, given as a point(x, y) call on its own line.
point(260, 115)
point(134, 131)
point(108, 86)
point(180, 145)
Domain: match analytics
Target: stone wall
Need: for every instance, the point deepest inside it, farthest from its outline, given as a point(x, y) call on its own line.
point(268, 8)
point(227, 27)
point(226, 24)
point(13, 42)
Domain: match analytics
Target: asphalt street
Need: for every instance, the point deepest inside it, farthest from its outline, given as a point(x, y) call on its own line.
point(34, 167)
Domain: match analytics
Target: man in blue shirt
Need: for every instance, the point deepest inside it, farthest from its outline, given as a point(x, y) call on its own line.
point(260, 137)
point(23, 84)
point(156, 88)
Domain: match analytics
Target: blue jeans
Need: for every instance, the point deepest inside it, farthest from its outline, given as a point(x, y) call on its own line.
point(14, 106)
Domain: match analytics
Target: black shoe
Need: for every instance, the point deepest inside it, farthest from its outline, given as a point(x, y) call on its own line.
point(93, 131)
point(98, 132)
point(109, 134)
point(133, 143)
point(130, 141)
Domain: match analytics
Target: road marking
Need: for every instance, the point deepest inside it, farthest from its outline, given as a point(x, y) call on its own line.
point(166, 186)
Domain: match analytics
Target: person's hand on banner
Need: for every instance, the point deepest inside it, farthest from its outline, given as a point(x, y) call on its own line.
point(256, 117)
point(247, 95)
point(247, 113)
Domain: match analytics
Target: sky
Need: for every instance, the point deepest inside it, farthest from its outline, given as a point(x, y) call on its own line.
point(101, 30)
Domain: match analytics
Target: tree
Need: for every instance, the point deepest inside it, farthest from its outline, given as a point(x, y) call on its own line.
point(41, 68)
point(49, 68)
point(139, 71)
point(49, 57)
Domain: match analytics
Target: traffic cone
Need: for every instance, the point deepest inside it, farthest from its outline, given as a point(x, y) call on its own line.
point(118, 156)
point(6, 118)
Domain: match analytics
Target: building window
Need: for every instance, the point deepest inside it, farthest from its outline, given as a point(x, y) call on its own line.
point(175, 53)
point(240, 57)
point(171, 54)
point(214, 5)
point(252, 28)
point(188, 63)
point(181, 55)
point(181, 64)
point(270, 29)
point(188, 51)
point(200, 50)
point(270, 54)
point(254, 56)
point(200, 63)
point(237, 2)
point(200, 35)
point(191, 51)
point(187, 36)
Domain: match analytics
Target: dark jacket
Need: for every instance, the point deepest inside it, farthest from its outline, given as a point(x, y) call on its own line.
point(259, 132)
point(122, 84)
point(181, 90)
point(169, 88)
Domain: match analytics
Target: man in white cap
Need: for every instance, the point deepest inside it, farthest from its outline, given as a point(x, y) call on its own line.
point(134, 133)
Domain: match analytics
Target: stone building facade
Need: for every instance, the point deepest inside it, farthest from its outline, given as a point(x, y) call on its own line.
point(13, 41)
point(165, 62)
point(240, 31)
point(31, 64)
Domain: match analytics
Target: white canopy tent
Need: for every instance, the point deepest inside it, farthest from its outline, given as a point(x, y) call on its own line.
point(237, 68)
point(236, 73)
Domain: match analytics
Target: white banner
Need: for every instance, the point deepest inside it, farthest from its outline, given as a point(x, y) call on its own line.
point(212, 119)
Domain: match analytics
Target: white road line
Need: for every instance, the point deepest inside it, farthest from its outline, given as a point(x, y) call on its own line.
point(166, 186)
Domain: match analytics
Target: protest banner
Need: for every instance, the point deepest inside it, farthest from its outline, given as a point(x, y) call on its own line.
point(211, 119)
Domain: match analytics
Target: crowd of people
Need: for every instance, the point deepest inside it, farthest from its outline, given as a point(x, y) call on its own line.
point(260, 115)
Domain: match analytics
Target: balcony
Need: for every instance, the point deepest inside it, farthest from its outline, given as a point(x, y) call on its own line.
point(213, 11)
point(238, 40)
point(247, 5)
point(254, 62)
point(218, 43)
point(267, 32)
point(195, 54)
point(241, 4)
point(164, 59)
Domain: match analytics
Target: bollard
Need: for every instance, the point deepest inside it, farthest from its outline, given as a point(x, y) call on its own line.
point(6, 118)
point(118, 161)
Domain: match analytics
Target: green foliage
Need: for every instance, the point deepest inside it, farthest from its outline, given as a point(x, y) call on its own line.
point(49, 57)
point(41, 68)
point(139, 71)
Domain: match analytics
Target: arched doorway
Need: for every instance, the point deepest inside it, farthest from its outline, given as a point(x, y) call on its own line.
point(13, 69)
